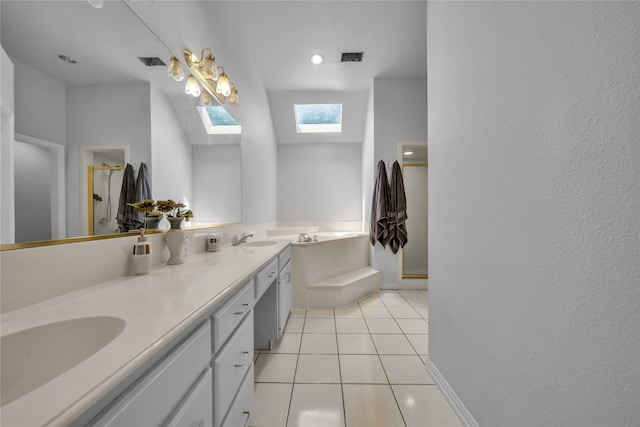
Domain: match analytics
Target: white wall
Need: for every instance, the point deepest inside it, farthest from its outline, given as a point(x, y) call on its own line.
point(217, 183)
point(534, 195)
point(32, 168)
point(7, 122)
point(171, 163)
point(368, 161)
point(39, 104)
point(415, 251)
point(104, 115)
point(319, 182)
point(400, 111)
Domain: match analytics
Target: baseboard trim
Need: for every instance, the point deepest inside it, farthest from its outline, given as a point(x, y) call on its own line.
point(456, 404)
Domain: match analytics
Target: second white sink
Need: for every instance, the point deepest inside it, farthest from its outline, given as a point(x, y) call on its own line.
point(260, 243)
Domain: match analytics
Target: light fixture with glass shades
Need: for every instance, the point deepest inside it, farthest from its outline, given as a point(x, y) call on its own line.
point(205, 74)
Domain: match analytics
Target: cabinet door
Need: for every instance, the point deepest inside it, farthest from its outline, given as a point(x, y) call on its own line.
point(196, 408)
point(240, 411)
point(159, 391)
point(284, 297)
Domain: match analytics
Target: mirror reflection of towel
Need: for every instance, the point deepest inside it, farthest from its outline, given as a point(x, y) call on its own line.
point(398, 237)
point(126, 217)
point(379, 223)
point(142, 191)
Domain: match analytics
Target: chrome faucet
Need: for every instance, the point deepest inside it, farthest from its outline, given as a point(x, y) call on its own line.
point(235, 241)
point(304, 237)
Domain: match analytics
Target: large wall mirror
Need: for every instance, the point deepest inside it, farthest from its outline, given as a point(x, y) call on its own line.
point(76, 125)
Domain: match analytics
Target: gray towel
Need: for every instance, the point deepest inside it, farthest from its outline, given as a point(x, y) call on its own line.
point(397, 211)
point(127, 218)
point(378, 226)
point(142, 191)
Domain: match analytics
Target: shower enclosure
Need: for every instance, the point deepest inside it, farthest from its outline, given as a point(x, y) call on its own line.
point(104, 194)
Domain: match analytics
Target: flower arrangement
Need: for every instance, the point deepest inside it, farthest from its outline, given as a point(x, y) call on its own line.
point(174, 210)
point(155, 210)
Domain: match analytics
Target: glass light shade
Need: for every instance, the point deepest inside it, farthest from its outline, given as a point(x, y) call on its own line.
point(209, 68)
point(233, 97)
point(175, 70)
point(223, 87)
point(205, 99)
point(192, 87)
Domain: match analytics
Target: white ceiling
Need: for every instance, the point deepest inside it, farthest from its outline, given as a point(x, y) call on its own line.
point(275, 37)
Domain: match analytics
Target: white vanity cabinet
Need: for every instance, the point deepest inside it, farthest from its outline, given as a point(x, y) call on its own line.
point(285, 289)
point(232, 359)
point(168, 389)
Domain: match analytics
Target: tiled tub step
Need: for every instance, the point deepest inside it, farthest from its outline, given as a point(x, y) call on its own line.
point(344, 289)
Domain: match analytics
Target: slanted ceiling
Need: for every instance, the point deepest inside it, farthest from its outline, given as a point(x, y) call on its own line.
point(354, 105)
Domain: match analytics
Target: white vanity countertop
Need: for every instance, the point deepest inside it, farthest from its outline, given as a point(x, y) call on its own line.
point(157, 308)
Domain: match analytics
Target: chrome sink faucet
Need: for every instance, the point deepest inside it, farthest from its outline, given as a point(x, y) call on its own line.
point(235, 241)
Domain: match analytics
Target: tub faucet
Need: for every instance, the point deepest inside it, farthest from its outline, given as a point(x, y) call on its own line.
point(304, 237)
point(235, 241)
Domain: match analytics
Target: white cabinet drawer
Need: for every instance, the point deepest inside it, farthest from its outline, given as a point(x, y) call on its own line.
point(159, 391)
point(240, 410)
point(284, 256)
point(196, 408)
point(229, 316)
point(266, 277)
point(230, 366)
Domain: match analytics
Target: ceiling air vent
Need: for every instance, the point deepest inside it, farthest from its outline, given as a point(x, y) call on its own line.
point(151, 61)
point(351, 56)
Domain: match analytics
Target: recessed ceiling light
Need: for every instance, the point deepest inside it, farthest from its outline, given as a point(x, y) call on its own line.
point(316, 59)
point(68, 59)
point(408, 153)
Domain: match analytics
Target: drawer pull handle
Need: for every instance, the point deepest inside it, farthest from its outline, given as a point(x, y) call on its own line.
point(246, 307)
point(272, 274)
point(244, 361)
point(247, 415)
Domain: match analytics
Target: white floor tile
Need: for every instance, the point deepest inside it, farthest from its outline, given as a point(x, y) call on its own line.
point(370, 405)
point(362, 369)
point(371, 302)
point(392, 344)
point(275, 368)
point(294, 324)
point(271, 404)
point(316, 405)
point(297, 313)
point(383, 326)
point(410, 293)
point(413, 326)
point(351, 326)
point(424, 405)
point(405, 370)
point(385, 294)
point(319, 344)
point(355, 344)
point(320, 326)
point(396, 302)
point(348, 312)
point(417, 301)
point(420, 343)
point(318, 368)
point(422, 311)
point(404, 312)
point(320, 314)
point(375, 312)
point(288, 343)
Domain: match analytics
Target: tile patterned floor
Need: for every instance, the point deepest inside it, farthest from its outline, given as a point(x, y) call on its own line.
point(361, 366)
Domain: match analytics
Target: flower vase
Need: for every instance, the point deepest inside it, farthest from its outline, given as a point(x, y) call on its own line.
point(152, 222)
point(175, 241)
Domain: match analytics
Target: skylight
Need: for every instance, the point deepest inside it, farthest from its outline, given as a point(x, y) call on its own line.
point(318, 118)
point(217, 121)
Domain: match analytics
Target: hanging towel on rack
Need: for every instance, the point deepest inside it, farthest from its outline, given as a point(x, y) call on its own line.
point(397, 211)
point(127, 218)
point(379, 223)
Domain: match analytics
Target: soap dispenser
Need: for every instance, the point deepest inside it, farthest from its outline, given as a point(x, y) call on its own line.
point(142, 255)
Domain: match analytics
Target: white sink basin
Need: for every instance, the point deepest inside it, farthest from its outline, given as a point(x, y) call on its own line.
point(260, 243)
point(33, 357)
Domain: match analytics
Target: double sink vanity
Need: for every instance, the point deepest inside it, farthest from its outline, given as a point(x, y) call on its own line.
point(173, 348)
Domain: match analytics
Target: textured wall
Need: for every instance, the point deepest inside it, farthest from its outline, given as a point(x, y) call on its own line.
point(534, 198)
